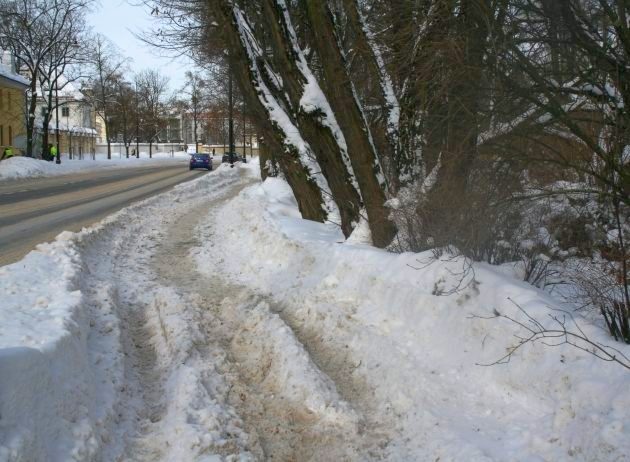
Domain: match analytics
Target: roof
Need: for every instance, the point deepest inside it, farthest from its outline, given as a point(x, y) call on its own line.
point(67, 90)
point(12, 80)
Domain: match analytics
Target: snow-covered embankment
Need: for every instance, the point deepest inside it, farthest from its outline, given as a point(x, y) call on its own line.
point(411, 353)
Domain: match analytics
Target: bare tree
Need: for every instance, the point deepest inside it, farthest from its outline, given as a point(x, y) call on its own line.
point(60, 68)
point(196, 101)
point(107, 65)
point(41, 35)
point(123, 111)
point(152, 87)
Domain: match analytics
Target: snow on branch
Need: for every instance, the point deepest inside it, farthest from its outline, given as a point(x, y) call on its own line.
point(292, 138)
point(502, 129)
point(391, 101)
point(313, 99)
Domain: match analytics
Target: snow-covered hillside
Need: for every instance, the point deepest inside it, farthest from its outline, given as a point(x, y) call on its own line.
point(212, 323)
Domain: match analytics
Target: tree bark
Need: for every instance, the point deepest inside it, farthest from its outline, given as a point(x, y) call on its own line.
point(449, 203)
point(340, 92)
point(316, 132)
point(305, 189)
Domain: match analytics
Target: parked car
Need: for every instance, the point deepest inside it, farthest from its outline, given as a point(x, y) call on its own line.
point(235, 157)
point(200, 161)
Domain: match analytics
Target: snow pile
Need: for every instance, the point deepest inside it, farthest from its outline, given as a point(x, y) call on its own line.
point(50, 403)
point(64, 390)
point(409, 329)
point(27, 167)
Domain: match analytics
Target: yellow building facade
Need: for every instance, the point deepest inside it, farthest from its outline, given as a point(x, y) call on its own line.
point(12, 126)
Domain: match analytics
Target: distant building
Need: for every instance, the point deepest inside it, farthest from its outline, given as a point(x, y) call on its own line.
point(172, 132)
point(101, 129)
point(12, 105)
point(77, 121)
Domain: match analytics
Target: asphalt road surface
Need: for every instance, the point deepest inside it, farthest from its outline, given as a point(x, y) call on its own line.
point(35, 211)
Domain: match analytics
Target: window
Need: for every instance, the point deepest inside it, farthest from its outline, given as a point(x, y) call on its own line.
point(1, 100)
point(9, 100)
point(1, 135)
point(65, 112)
point(10, 134)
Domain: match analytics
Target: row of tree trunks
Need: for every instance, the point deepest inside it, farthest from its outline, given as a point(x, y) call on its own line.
point(342, 97)
point(366, 47)
point(306, 191)
point(318, 134)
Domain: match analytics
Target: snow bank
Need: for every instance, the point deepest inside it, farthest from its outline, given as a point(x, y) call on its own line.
point(418, 348)
point(62, 365)
point(50, 402)
point(26, 167)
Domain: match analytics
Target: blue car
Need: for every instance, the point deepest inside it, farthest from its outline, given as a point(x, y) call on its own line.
point(200, 161)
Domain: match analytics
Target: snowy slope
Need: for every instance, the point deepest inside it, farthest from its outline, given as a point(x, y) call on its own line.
point(416, 351)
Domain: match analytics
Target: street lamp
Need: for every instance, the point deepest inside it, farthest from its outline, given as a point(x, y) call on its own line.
point(58, 160)
point(231, 119)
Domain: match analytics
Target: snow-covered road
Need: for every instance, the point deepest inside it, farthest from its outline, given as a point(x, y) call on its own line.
point(211, 323)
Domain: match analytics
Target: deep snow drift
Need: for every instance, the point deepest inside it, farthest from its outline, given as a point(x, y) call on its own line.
point(284, 341)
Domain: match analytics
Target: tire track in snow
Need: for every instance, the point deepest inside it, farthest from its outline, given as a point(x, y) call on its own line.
point(189, 342)
point(334, 359)
point(288, 403)
point(152, 360)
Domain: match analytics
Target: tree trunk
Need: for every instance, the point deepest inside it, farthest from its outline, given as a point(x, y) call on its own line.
point(265, 159)
point(366, 46)
point(30, 118)
point(449, 202)
point(245, 69)
point(314, 124)
point(341, 95)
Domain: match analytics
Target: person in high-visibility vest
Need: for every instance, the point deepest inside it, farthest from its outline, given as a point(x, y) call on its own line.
point(53, 152)
point(7, 153)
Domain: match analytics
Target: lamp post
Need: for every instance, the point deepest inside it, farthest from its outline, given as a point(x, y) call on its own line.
point(70, 141)
point(231, 118)
point(137, 124)
point(58, 161)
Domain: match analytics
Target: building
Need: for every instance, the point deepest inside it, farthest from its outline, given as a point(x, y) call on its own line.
point(172, 132)
point(12, 105)
point(77, 121)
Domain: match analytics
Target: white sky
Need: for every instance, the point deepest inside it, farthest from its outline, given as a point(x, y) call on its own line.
point(116, 19)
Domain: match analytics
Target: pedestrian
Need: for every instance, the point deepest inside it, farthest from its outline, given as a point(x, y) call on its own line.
point(7, 153)
point(133, 152)
point(53, 152)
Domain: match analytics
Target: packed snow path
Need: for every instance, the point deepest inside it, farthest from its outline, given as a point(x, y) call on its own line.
point(228, 335)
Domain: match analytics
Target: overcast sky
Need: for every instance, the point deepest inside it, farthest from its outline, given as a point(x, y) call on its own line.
point(116, 19)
